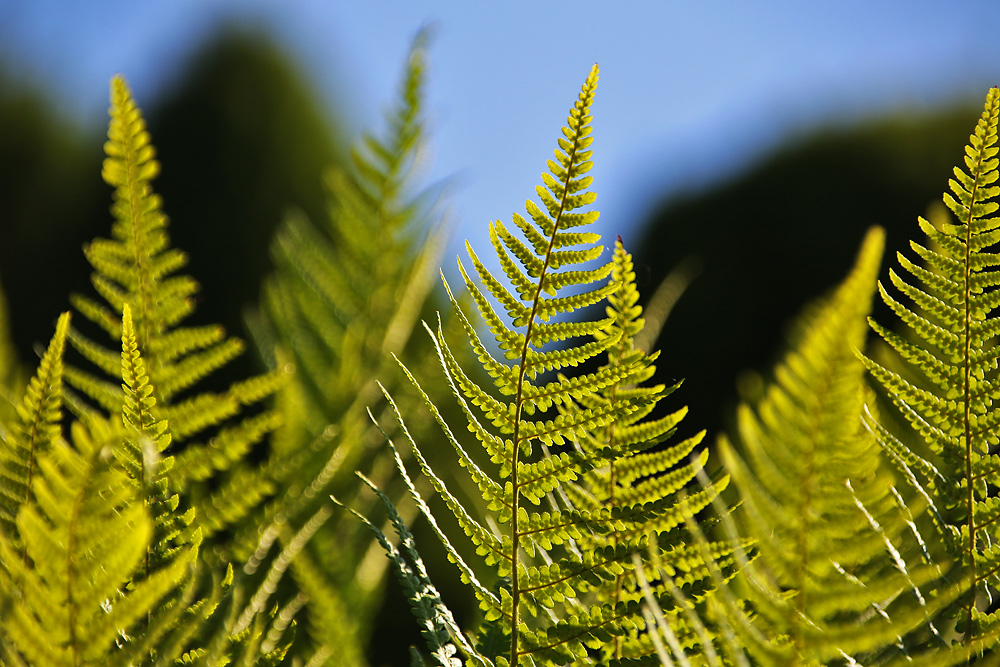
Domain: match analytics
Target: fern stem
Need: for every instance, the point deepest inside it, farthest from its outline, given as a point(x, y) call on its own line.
point(612, 482)
point(967, 399)
point(71, 558)
point(518, 402)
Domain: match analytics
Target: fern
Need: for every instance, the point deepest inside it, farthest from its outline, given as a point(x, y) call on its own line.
point(952, 346)
point(644, 477)
point(128, 493)
point(438, 625)
point(33, 430)
point(85, 537)
point(139, 433)
point(839, 571)
point(534, 615)
point(79, 536)
point(136, 268)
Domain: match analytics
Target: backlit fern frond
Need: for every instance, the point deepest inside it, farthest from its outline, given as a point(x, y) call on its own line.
point(950, 313)
point(137, 268)
point(347, 294)
point(839, 571)
point(149, 412)
point(141, 455)
point(34, 428)
point(529, 423)
point(438, 626)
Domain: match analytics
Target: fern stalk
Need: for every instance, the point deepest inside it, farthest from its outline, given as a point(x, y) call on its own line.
point(578, 122)
point(979, 171)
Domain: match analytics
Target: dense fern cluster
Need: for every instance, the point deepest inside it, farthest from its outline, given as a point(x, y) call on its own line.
point(146, 519)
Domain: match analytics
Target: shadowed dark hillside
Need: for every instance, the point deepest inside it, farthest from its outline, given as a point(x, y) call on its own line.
point(780, 234)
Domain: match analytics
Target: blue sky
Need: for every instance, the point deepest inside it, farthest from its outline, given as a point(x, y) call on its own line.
point(690, 91)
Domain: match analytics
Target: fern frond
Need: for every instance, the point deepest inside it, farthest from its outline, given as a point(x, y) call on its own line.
point(36, 426)
point(144, 302)
point(551, 437)
point(950, 311)
point(345, 297)
point(637, 478)
point(141, 453)
point(836, 576)
point(136, 271)
point(438, 625)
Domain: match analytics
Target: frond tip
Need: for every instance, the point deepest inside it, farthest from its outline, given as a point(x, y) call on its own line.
point(130, 158)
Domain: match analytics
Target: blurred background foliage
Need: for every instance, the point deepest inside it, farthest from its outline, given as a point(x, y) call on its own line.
point(243, 140)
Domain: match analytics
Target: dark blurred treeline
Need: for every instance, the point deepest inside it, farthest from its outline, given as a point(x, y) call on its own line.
point(779, 235)
point(241, 138)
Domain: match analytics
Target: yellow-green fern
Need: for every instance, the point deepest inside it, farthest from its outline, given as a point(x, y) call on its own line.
point(137, 268)
point(646, 475)
point(85, 537)
point(530, 423)
point(142, 435)
point(32, 431)
point(949, 311)
point(839, 571)
point(345, 296)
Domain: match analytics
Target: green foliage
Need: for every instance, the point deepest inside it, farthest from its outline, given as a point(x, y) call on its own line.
point(839, 570)
point(149, 519)
point(84, 536)
point(951, 344)
point(136, 269)
point(641, 477)
point(345, 296)
point(33, 429)
point(101, 550)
